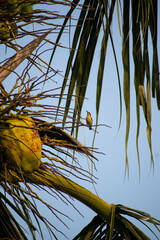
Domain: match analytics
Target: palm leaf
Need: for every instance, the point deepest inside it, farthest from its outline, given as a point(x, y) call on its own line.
point(19, 57)
point(112, 215)
point(155, 65)
point(102, 57)
point(78, 70)
point(144, 16)
point(89, 23)
point(126, 72)
point(9, 226)
point(98, 228)
point(72, 52)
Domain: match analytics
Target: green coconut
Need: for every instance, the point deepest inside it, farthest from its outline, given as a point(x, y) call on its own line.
point(12, 4)
point(26, 10)
point(21, 144)
point(4, 32)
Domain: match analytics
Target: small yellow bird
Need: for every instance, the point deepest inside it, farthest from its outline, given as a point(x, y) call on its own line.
point(89, 120)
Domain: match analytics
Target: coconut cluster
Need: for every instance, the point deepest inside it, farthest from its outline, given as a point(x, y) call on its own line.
point(20, 143)
point(10, 11)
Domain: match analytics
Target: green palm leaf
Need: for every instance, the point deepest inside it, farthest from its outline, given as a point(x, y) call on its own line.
point(126, 71)
point(93, 18)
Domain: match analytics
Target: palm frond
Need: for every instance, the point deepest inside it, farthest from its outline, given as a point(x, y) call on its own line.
point(122, 228)
point(10, 228)
point(126, 72)
point(94, 19)
point(15, 60)
point(112, 221)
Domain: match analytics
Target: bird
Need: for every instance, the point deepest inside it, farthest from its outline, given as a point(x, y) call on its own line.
point(89, 120)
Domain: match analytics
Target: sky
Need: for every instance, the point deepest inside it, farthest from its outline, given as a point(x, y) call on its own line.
point(136, 192)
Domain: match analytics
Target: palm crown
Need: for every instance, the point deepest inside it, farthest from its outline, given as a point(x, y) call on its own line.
point(24, 100)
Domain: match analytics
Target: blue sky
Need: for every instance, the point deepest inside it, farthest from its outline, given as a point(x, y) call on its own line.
point(143, 193)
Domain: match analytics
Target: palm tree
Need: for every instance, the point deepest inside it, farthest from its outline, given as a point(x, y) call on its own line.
point(24, 112)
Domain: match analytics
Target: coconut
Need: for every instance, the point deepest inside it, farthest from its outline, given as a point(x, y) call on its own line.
point(26, 10)
point(4, 32)
point(20, 143)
